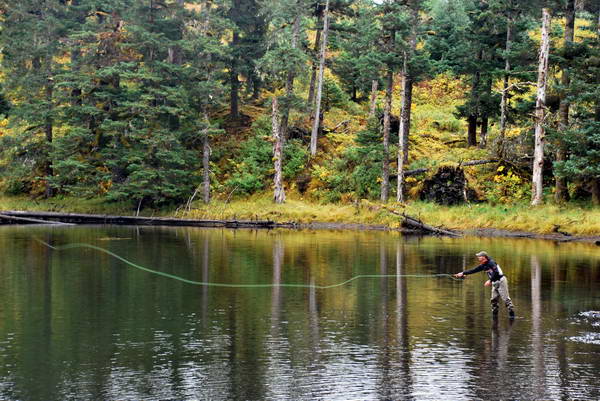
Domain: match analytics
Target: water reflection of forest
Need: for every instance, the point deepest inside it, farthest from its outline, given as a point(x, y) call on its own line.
point(387, 336)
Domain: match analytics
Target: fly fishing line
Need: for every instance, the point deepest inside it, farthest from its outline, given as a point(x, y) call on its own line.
point(233, 285)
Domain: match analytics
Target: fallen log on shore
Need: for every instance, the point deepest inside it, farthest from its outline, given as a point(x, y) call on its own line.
point(416, 224)
point(24, 217)
point(78, 218)
point(28, 220)
point(411, 222)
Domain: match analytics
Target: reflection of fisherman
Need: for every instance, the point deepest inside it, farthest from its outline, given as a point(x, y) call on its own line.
point(497, 280)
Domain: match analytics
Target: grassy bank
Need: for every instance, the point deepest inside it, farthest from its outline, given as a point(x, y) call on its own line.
point(544, 219)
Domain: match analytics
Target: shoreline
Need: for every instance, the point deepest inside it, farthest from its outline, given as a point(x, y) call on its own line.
point(478, 232)
point(55, 218)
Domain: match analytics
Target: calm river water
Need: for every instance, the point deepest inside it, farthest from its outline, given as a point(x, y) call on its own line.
point(81, 324)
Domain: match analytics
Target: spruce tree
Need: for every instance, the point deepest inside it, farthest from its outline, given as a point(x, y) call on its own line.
point(31, 41)
point(359, 61)
point(247, 45)
point(143, 116)
point(582, 138)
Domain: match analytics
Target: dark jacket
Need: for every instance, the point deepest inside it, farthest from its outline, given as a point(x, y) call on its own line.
point(490, 267)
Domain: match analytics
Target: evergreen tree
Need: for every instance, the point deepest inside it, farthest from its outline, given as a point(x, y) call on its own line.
point(246, 47)
point(31, 44)
point(136, 132)
point(341, 19)
point(582, 138)
point(468, 36)
point(359, 62)
point(561, 193)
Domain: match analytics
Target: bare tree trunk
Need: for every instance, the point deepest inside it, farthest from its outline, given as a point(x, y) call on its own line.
point(504, 100)
point(373, 102)
point(540, 110)
point(404, 130)
point(317, 114)
point(561, 193)
point(206, 161)
point(385, 179)
point(484, 131)
point(289, 82)
point(313, 75)
point(279, 193)
point(405, 113)
point(402, 145)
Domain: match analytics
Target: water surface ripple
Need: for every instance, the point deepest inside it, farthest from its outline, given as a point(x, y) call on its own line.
point(81, 324)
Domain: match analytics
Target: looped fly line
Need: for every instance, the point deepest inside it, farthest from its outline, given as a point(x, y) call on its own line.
point(231, 285)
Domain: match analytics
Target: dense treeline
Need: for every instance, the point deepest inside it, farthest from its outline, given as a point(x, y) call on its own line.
point(159, 101)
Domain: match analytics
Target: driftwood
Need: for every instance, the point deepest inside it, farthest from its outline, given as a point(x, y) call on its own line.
point(556, 229)
point(32, 221)
point(76, 218)
point(416, 224)
point(411, 222)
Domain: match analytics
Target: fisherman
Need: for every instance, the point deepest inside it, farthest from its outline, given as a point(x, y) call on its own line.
point(497, 280)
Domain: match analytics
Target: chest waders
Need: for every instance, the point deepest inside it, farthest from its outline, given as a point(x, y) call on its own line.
point(500, 291)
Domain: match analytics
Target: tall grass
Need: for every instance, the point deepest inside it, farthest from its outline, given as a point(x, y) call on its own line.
point(544, 219)
point(65, 205)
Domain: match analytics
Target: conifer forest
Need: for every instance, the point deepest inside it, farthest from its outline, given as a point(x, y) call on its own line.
point(161, 102)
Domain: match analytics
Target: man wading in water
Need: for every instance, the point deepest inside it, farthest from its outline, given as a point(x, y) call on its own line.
point(497, 280)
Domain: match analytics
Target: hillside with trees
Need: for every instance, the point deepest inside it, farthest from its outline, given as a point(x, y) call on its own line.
point(161, 103)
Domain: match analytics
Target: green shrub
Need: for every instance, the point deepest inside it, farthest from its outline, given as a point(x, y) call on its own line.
point(507, 187)
point(333, 95)
point(253, 165)
point(22, 161)
point(357, 172)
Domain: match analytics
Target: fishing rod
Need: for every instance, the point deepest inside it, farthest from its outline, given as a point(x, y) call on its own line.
point(233, 285)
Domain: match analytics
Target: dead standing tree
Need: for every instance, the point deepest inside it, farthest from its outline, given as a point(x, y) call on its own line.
point(317, 113)
point(279, 192)
point(407, 89)
point(540, 111)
